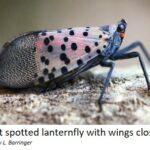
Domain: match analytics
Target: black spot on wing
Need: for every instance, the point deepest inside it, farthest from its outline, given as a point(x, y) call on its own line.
point(87, 49)
point(79, 62)
point(98, 51)
point(50, 48)
point(43, 59)
point(100, 36)
point(96, 43)
point(63, 47)
point(45, 71)
point(66, 39)
point(46, 41)
point(51, 76)
point(47, 62)
point(64, 70)
point(51, 37)
point(53, 69)
point(67, 61)
point(85, 33)
point(74, 46)
point(104, 46)
point(71, 32)
point(63, 57)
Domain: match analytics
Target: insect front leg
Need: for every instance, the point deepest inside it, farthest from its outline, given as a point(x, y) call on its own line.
point(111, 65)
point(133, 46)
point(120, 55)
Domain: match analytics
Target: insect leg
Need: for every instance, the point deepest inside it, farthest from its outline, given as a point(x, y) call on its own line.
point(111, 65)
point(133, 55)
point(133, 46)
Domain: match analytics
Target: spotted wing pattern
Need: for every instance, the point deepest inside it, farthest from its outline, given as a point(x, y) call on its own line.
point(61, 51)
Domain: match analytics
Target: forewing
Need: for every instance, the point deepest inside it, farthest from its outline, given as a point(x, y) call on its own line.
point(61, 51)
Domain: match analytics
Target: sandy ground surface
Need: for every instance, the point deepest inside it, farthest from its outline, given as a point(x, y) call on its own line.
point(128, 102)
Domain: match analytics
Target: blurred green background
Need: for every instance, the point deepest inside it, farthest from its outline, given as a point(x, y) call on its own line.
point(17, 16)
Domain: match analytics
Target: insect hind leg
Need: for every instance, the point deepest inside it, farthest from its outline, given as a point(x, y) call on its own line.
point(111, 65)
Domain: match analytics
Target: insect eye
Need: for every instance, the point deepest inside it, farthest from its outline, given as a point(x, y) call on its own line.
point(121, 28)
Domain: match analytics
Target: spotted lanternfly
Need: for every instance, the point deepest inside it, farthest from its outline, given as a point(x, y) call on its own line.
point(40, 57)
